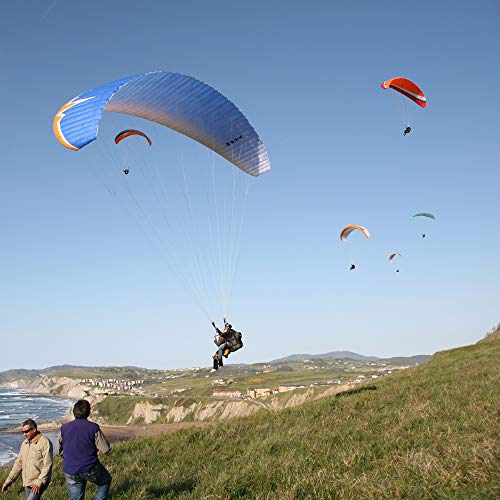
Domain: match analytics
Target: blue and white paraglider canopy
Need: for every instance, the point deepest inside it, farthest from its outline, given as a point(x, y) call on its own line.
point(177, 101)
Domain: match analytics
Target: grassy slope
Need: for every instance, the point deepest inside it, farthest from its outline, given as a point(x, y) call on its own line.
point(427, 432)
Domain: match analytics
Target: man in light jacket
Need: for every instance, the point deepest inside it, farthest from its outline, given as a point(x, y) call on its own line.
point(78, 444)
point(34, 462)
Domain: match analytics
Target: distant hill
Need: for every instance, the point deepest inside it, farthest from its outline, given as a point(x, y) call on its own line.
point(400, 360)
point(24, 373)
point(419, 359)
point(18, 373)
point(333, 354)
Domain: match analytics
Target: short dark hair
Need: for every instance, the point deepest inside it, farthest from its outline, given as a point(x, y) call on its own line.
point(30, 422)
point(81, 409)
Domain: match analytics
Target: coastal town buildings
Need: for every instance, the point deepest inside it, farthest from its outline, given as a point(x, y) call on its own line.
point(113, 383)
point(227, 394)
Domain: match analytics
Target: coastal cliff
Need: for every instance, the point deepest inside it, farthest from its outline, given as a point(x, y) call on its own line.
point(53, 386)
point(122, 409)
point(210, 411)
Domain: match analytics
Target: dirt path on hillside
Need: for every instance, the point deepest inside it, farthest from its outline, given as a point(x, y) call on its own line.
point(124, 432)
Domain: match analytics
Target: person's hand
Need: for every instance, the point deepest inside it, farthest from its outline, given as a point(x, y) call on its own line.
point(5, 487)
point(35, 489)
point(213, 324)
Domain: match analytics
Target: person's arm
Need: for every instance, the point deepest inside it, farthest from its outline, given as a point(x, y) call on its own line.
point(216, 329)
point(101, 443)
point(43, 477)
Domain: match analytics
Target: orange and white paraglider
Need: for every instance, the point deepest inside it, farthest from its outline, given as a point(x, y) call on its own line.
point(346, 231)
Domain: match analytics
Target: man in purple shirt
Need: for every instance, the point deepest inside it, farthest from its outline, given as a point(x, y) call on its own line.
point(78, 444)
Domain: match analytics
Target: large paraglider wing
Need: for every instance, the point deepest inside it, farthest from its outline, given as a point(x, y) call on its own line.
point(408, 89)
point(176, 101)
point(346, 231)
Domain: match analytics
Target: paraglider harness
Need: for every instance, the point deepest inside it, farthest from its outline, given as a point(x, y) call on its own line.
point(231, 338)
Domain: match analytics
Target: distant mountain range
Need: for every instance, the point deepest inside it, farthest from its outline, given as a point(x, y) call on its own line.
point(399, 360)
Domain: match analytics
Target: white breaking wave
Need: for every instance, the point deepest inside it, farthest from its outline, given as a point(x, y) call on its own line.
point(17, 406)
point(7, 454)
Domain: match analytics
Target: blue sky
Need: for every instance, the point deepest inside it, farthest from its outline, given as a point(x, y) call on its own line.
point(80, 284)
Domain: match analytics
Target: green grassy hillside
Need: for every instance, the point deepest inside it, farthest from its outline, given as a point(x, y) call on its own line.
point(426, 432)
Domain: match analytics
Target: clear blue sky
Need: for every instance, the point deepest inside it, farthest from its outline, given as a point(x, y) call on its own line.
point(80, 285)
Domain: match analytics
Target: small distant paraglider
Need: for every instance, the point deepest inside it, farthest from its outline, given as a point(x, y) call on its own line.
point(410, 90)
point(129, 132)
point(346, 231)
point(392, 256)
point(423, 214)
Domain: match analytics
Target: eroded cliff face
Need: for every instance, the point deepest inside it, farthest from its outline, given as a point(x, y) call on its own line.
point(298, 399)
point(53, 386)
point(146, 412)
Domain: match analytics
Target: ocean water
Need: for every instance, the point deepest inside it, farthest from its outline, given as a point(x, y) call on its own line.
point(17, 405)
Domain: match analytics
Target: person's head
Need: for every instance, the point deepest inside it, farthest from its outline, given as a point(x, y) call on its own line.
point(227, 326)
point(29, 428)
point(81, 409)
